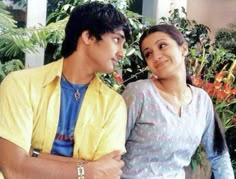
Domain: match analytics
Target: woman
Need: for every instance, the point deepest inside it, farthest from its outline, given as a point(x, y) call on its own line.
point(168, 117)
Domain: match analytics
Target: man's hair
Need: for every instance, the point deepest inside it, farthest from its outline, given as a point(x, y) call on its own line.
point(95, 17)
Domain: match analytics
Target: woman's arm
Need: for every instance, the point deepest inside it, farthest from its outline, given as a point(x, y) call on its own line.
point(220, 161)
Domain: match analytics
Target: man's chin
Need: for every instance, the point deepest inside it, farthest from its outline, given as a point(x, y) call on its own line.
point(107, 71)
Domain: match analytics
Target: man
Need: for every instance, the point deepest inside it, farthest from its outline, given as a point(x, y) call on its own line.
point(54, 117)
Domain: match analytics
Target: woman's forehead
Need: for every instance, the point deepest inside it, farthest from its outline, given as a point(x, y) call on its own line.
point(154, 38)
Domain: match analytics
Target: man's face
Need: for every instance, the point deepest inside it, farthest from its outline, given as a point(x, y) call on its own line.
point(105, 53)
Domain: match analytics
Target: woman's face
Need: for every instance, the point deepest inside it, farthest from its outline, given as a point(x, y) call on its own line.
point(163, 55)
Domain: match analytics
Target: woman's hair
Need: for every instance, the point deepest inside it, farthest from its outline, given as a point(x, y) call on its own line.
point(95, 17)
point(219, 138)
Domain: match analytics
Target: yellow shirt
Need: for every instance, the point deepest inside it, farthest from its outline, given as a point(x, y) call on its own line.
point(30, 106)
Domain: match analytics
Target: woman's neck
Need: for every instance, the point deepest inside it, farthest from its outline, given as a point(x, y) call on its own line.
point(173, 86)
point(176, 93)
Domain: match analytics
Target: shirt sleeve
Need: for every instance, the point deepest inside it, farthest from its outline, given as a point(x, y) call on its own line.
point(15, 111)
point(113, 137)
point(220, 164)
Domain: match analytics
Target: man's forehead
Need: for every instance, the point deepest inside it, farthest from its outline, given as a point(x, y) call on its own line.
point(119, 32)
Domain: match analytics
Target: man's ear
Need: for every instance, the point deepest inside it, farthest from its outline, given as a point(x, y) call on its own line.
point(86, 37)
point(185, 49)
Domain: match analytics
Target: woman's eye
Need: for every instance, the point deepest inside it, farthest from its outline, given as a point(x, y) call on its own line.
point(162, 46)
point(146, 55)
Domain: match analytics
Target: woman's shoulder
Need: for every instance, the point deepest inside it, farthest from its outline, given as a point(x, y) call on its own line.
point(139, 85)
point(200, 93)
point(136, 91)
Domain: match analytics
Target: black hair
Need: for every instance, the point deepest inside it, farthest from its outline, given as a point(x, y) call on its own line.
point(96, 17)
point(219, 144)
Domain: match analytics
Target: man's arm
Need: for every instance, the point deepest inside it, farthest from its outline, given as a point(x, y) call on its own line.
point(49, 156)
point(113, 134)
point(16, 163)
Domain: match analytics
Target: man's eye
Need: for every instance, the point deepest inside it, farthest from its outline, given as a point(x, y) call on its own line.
point(116, 40)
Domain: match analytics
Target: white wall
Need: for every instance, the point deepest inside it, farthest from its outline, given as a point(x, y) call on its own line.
point(36, 14)
point(215, 14)
point(156, 9)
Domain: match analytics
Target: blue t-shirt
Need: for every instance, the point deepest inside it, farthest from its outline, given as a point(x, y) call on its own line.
point(69, 110)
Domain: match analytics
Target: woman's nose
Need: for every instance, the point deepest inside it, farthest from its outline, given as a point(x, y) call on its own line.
point(157, 56)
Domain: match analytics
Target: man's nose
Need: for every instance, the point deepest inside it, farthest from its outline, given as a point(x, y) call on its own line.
point(120, 53)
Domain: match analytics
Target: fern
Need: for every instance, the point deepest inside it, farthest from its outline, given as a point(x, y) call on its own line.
point(10, 66)
point(6, 20)
point(17, 40)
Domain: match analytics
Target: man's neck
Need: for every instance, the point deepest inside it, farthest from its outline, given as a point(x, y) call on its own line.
point(76, 71)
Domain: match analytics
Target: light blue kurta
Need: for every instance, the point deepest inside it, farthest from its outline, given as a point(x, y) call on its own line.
point(159, 142)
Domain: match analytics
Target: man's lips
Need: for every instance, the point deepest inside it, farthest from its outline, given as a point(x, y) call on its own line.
point(114, 61)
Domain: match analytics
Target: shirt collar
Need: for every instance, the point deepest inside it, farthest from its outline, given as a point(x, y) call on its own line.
point(55, 72)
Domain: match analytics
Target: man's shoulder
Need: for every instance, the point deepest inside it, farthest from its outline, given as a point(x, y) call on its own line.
point(107, 90)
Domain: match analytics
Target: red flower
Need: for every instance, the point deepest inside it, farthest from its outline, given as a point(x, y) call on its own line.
point(220, 94)
point(219, 77)
point(197, 81)
point(117, 77)
point(234, 119)
point(209, 88)
point(227, 88)
point(218, 85)
point(233, 91)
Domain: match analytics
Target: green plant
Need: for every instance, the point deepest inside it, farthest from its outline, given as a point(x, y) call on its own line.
point(234, 166)
point(8, 67)
point(6, 20)
point(14, 42)
point(20, 2)
point(198, 157)
point(222, 90)
point(197, 35)
point(58, 10)
point(226, 38)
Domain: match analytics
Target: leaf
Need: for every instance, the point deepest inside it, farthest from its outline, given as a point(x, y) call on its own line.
point(129, 69)
point(221, 105)
point(194, 165)
point(130, 51)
